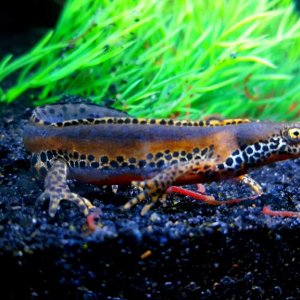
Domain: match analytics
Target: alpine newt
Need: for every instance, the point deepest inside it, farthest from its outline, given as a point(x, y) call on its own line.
point(104, 146)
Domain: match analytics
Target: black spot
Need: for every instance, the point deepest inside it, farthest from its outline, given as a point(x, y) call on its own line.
point(256, 154)
point(120, 159)
point(104, 159)
point(171, 122)
point(238, 160)
point(160, 163)
point(249, 150)
point(72, 163)
point(183, 153)
point(142, 163)
point(252, 160)
point(83, 156)
point(127, 120)
point(174, 161)
point(124, 165)
point(82, 164)
point(265, 148)
point(229, 161)
point(75, 122)
point(110, 121)
point(163, 122)
point(201, 123)
point(168, 157)
point(204, 151)
point(76, 164)
point(183, 159)
point(221, 167)
point(189, 156)
point(273, 146)
point(43, 157)
point(196, 150)
point(257, 146)
point(149, 156)
point(175, 154)
point(152, 165)
point(159, 155)
point(135, 121)
point(34, 159)
point(243, 147)
point(235, 153)
point(152, 121)
point(95, 164)
point(91, 157)
point(120, 121)
point(114, 164)
point(131, 167)
point(76, 155)
point(43, 171)
point(132, 160)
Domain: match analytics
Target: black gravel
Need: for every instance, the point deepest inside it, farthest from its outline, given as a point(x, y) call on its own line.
point(191, 250)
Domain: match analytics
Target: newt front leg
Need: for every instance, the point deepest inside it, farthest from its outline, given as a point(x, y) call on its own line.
point(57, 189)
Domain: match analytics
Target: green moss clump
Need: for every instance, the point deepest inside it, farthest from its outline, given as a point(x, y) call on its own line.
point(161, 58)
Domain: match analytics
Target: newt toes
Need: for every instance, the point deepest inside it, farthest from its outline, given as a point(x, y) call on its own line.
point(104, 146)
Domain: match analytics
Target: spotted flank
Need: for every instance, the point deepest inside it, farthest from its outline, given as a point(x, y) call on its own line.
point(104, 146)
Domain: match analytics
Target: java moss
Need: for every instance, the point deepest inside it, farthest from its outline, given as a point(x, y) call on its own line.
point(152, 58)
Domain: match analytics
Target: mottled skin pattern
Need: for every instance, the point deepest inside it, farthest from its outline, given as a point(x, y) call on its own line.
point(104, 146)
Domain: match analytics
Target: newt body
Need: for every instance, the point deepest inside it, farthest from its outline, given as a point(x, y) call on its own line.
point(104, 146)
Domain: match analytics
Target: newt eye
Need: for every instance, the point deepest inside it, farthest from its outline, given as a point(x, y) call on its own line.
point(293, 134)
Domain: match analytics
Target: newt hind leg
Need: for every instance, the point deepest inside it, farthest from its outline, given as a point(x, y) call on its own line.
point(57, 189)
point(156, 187)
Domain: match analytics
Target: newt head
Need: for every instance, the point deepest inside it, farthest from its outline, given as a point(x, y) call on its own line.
point(290, 135)
point(261, 143)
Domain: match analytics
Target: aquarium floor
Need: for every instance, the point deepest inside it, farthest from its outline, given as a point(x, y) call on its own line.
point(186, 250)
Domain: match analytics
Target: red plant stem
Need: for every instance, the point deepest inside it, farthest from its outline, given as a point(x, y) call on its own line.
point(205, 198)
point(280, 213)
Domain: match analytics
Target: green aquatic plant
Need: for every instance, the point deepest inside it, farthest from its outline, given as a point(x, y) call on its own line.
point(163, 58)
